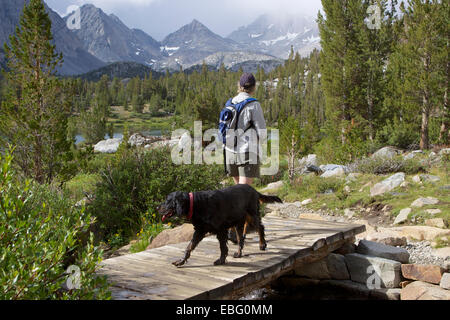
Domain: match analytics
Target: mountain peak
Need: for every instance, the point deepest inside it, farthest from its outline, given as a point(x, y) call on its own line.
point(276, 34)
point(110, 40)
point(196, 25)
point(90, 7)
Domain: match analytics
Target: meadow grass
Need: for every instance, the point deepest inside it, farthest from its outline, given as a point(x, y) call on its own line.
point(329, 193)
point(140, 121)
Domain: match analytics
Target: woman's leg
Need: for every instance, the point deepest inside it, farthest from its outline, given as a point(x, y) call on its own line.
point(245, 180)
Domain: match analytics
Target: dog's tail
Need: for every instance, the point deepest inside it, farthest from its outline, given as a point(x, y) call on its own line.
point(269, 199)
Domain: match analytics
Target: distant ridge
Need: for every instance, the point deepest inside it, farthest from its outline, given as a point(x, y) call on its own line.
point(275, 35)
point(121, 70)
point(104, 39)
point(110, 40)
point(76, 59)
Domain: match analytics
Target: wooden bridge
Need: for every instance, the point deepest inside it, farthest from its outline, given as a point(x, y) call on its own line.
point(290, 243)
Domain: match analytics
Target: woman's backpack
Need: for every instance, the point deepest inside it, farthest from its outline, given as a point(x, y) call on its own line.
point(229, 119)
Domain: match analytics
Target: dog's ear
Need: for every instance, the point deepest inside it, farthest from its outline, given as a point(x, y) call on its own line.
point(179, 208)
point(180, 204)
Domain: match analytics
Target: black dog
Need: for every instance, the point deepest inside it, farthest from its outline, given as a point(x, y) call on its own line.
point(217, 211)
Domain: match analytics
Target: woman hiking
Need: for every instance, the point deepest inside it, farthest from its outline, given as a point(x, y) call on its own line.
point(243, 155)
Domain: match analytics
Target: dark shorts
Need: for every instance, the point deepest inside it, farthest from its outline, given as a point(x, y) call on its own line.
point(246, 170)
point(241, 167)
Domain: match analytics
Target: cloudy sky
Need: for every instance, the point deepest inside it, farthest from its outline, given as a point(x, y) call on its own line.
point(160, 17)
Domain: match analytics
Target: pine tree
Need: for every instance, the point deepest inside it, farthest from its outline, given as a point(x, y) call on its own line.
point(335, 39)
point(376, 47)
point(137, 100)
point(93, 124)
point(35, 112)
point(114, 91)
point(206, 108)
point(155, 103)
point(421, 59)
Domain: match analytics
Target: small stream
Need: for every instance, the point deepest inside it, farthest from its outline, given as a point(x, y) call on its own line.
point(309, 292)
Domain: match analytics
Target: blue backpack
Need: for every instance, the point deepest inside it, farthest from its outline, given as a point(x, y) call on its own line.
point(229, 117)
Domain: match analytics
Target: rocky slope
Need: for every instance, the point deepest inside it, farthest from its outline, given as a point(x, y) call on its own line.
point(110, 40)
point(121, 70)
point(191, 44)
point(76, 59)
point(236, 59)
point(274, 35)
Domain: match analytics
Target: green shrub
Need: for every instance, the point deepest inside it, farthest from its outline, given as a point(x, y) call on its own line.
point(401, 134)
point(378, 165)
point(265, 180)
point(146, 235)
point(41, 235)
point(331, 149)
point(326, 184)
point(81, 185)
point(97, 163)
point(138, 183)
point(311, 185)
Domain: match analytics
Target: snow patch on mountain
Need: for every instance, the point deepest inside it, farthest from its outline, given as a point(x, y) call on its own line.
point(275, 35)
point(311, 39)
point(289, 37)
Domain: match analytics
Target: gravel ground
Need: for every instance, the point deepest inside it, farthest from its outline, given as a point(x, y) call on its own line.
point(421, 252)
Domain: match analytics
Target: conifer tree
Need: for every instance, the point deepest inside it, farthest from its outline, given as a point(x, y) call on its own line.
point(376, 47)
point(93, 124)
point(421, 59)
point(35, 112)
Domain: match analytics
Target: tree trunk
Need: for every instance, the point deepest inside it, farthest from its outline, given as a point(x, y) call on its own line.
point(424, 143)
point(38, 170)
point(292, 159)
point(444, 134)
point(370, 106)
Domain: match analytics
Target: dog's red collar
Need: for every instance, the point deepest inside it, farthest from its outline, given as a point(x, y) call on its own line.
point(191, 206)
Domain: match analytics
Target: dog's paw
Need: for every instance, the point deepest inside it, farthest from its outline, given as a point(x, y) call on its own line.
point(219, 262)
point(263, 246)
point(179, 263)
point(237, 255)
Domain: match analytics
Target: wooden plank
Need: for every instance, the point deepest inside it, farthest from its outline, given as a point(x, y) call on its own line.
point(210, 287)
point(124, 294)
point(205, 265)
point(150, 282)
point(291, 243)
point(156, 289)
point(315, 225)
point(255, 266)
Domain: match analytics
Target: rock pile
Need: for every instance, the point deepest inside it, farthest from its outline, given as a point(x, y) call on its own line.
point(377, 271)
point(139, 140)
point(388, 184)
point(136, 140)
point(108, 146)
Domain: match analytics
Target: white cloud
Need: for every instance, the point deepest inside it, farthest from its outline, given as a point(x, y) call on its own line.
point(109, 4)
point(309, 7)
point(161, 17)
point(272, 6)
